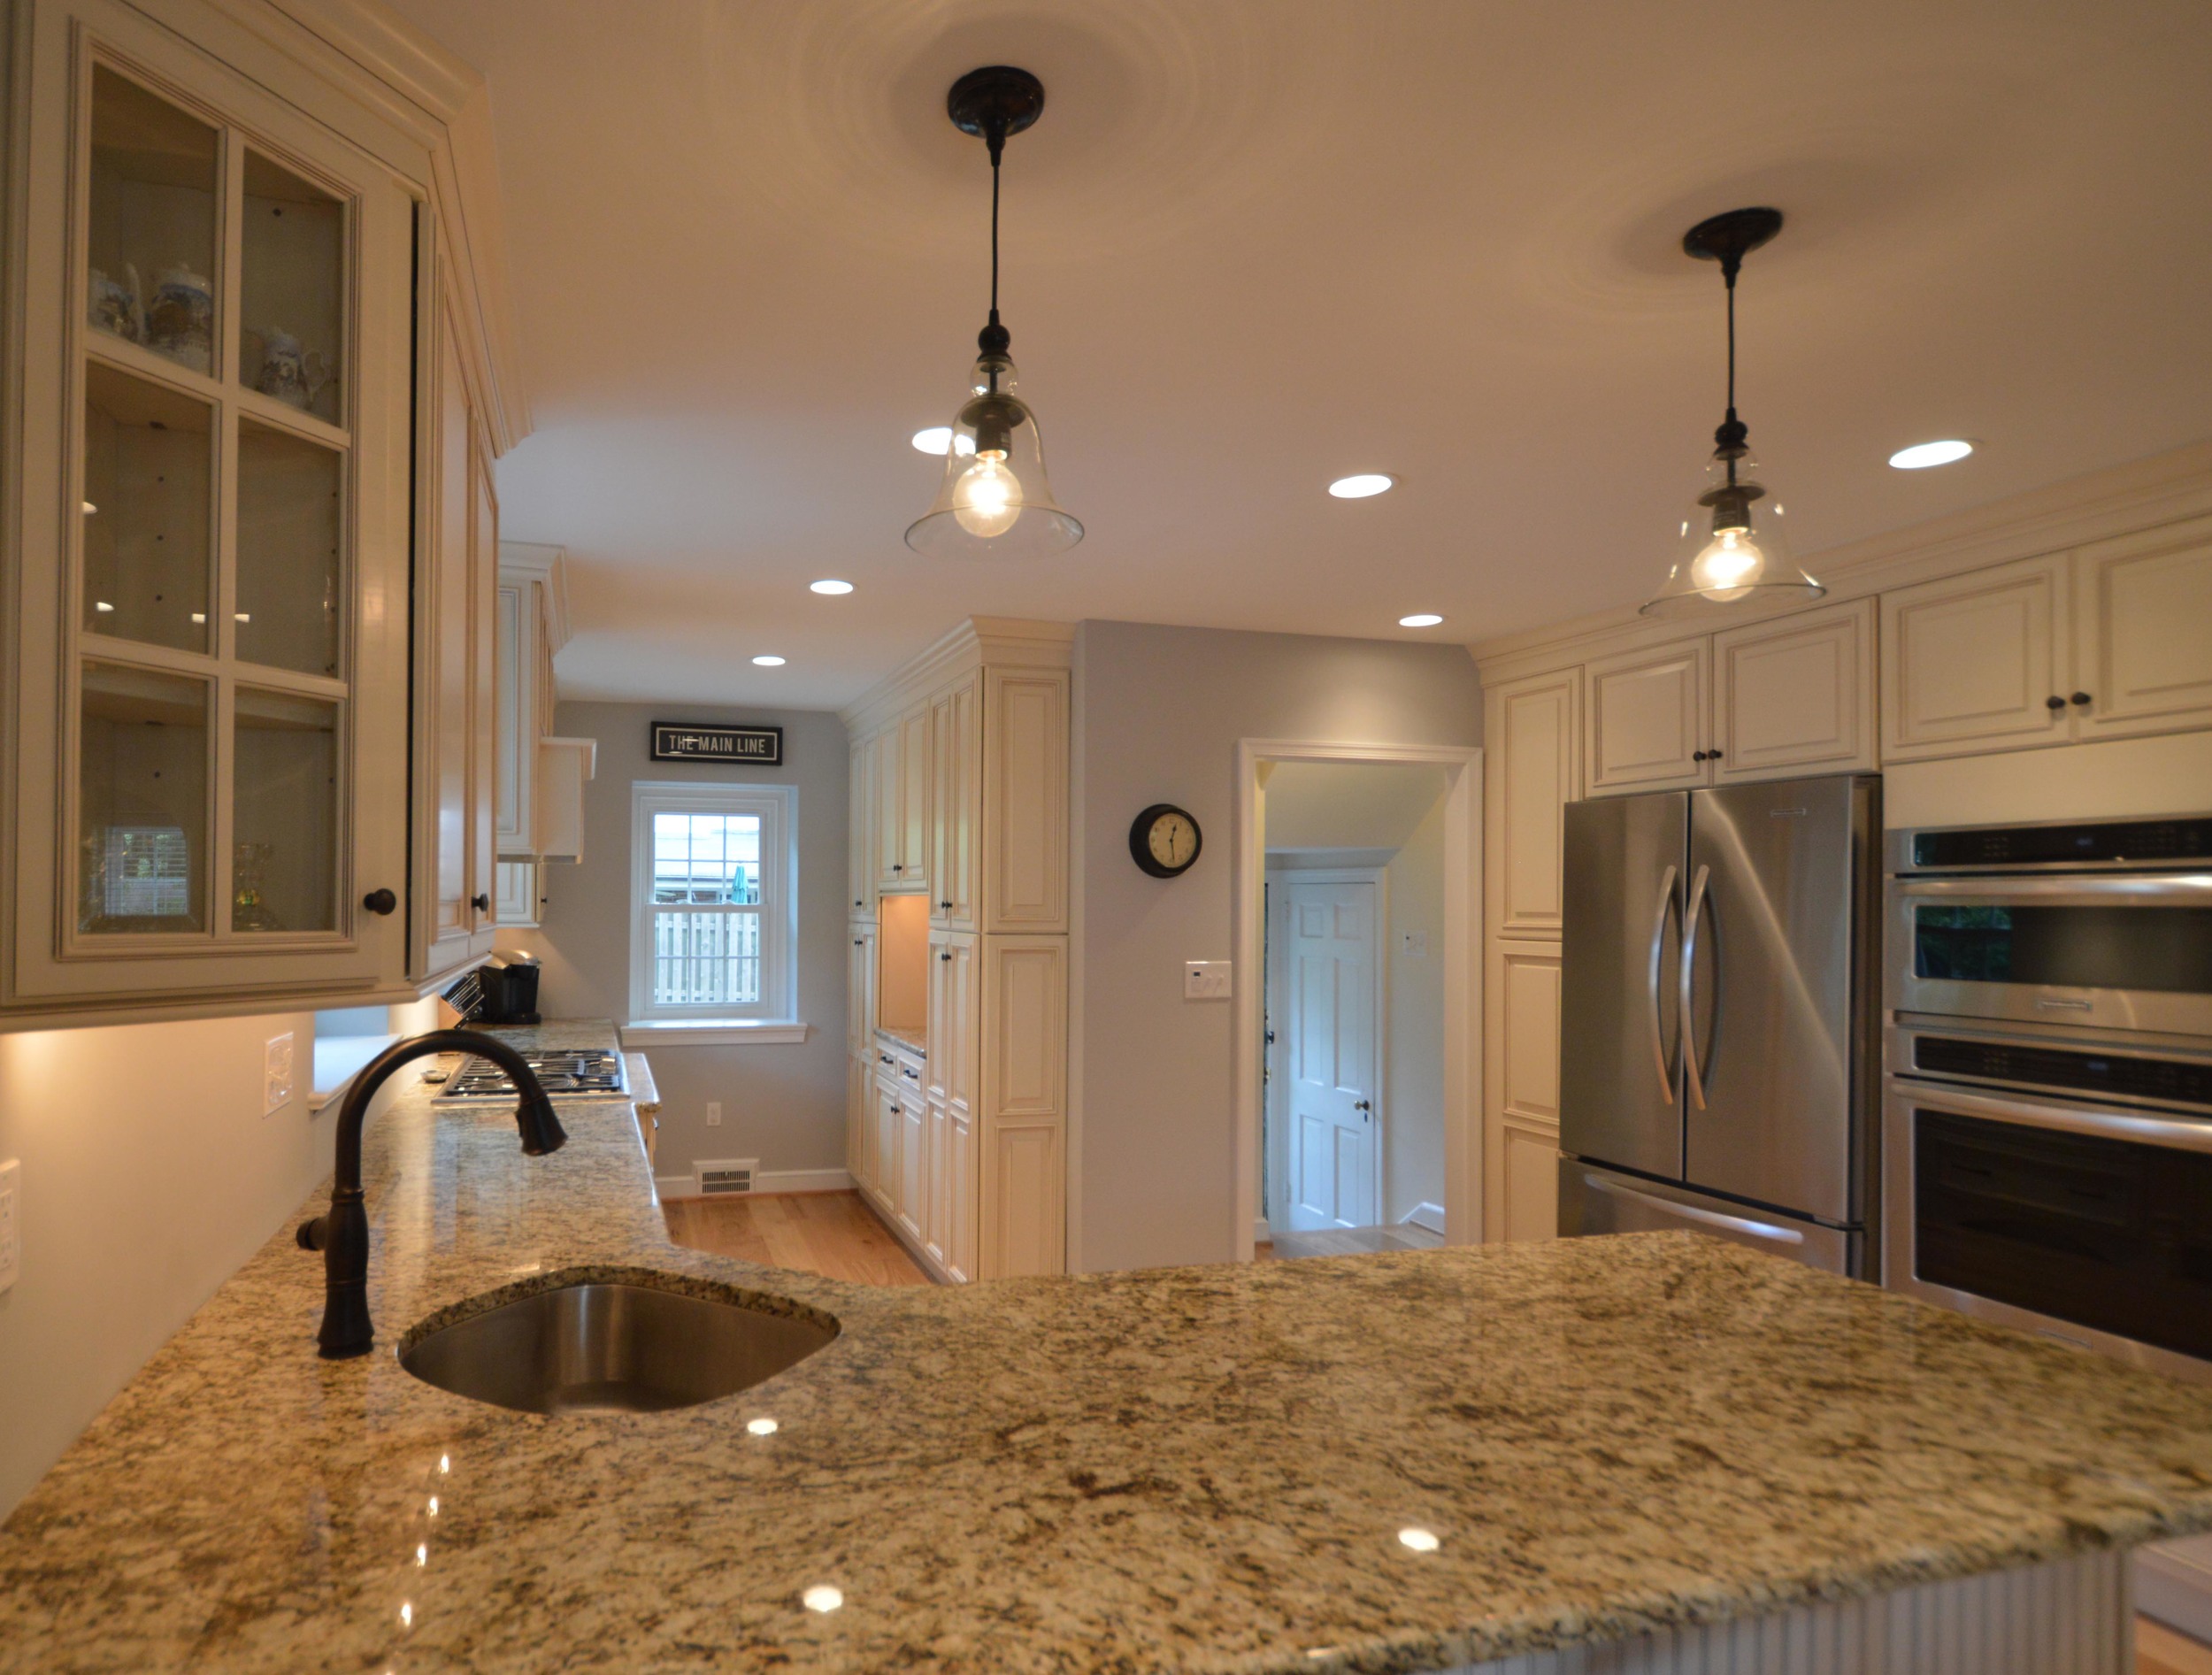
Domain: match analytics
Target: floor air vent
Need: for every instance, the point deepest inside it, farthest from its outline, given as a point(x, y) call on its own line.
point(727, 1176)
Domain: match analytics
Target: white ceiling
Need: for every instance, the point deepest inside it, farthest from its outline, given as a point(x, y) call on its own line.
point(1255, 244)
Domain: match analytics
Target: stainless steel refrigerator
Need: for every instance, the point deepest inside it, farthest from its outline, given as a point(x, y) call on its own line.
point(1718, 1029)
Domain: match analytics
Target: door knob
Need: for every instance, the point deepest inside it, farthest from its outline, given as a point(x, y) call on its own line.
point(481, 903)
point(380, 901)
point(1361, 1105)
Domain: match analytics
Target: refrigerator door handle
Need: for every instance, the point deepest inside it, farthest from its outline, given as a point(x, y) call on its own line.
point(1651, 987)
point(1693, 915)
point(1692, 1212)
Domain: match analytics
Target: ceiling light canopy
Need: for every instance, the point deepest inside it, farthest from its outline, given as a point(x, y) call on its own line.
point(994, 499)
point(1733, 543)
point(1362, 485)
point(1420, 620)
point(829, 584)
point(769, 660)
point(1920, 456)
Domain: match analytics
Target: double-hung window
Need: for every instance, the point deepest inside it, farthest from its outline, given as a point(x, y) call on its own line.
point(713, 901)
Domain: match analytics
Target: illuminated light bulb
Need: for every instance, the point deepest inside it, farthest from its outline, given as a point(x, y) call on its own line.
point(822, 1597)
point(1726, 567)
point(763, 1427)
point(988, 497)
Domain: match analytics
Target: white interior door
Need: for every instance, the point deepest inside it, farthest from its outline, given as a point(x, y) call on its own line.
point(1328, 1025)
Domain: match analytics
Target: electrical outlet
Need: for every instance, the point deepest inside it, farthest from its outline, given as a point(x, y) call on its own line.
point(276, 1074)
point(10, 1239)
point(714, 1113)
point(1206, 979)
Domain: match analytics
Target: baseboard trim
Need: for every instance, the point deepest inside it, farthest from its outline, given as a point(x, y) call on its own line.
point(2173, 1583)
point(766, 1183)
point(1428, 1217)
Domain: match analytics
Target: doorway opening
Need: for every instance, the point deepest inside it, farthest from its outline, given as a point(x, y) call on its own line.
point(1356, 895)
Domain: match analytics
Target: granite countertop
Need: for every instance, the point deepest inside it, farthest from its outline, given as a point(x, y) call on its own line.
point(914, 1041)
point(1198, 1469)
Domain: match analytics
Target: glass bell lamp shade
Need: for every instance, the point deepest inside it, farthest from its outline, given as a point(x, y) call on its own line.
point(994, 500)
point(1733, 546)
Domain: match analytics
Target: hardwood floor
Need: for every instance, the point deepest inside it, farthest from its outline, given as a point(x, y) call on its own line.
point(833, 1233)
point(1345, 1242)
point(2160, 1651)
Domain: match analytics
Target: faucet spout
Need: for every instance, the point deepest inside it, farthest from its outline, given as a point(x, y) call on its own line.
point(342, 1235)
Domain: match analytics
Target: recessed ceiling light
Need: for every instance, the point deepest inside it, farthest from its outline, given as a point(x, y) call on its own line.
point(936, 439)
point(769, 660)
point(1420, 620)
point(1920, 456)
point(829, 585)
point(1362, 485)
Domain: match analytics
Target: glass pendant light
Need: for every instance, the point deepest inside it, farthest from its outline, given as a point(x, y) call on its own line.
point(1734, 544)
point(994, 500)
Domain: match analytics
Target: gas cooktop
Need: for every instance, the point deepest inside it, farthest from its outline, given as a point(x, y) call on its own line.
point(559, 1071)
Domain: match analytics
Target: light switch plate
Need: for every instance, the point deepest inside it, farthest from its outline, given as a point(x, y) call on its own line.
point(276, 1074)
point(1206, 979)
point(10, 1239)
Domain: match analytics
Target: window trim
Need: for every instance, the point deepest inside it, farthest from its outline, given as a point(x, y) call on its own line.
point(778, 807)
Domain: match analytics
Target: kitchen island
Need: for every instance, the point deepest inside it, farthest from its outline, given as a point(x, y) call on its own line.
point(1403, 1461)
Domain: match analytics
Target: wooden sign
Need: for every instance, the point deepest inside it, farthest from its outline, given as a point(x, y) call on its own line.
point(680, 742)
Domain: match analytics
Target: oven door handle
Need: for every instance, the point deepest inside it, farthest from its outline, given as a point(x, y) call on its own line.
point(1659, 917)
point(1693, 916)
point(2178, 1133)
point(2168, 889)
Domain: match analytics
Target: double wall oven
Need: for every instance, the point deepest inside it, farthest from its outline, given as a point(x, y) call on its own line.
point(2047, 1097)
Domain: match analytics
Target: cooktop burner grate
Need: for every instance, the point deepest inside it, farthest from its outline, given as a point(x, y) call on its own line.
point(558, 1071)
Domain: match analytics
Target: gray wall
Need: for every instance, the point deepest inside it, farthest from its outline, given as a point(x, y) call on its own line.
point(785, 1104)
point(1158, 713)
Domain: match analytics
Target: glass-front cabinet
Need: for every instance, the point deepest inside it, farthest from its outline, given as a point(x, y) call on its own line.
point(209, 651)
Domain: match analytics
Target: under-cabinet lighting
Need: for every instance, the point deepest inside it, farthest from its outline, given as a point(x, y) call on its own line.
point(1419, 1539)
point(769, 660)
point(1362, 485)
point(829, 584)
point(1920, 456)
point(1420, 620)
point(822, 1597)
point(761, 1427)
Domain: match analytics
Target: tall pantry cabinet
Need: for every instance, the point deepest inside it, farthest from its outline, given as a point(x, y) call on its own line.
point(246, 582)
point(959, 839)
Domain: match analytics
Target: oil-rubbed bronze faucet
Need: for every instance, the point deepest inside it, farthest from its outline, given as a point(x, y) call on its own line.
point(342, 1236)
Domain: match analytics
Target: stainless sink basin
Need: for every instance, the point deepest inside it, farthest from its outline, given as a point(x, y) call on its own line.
point(599, 1346)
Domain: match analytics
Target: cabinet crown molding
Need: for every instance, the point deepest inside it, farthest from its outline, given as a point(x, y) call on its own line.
point(547, 565)
point(2119, 500)
point(1011, 642)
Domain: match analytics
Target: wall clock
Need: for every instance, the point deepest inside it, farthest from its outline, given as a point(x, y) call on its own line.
point(1163, 840)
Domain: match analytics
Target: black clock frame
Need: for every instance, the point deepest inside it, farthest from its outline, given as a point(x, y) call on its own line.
point(1141, 841)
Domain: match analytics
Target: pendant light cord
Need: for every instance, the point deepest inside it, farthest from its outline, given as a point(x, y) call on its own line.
point(995, 338)
point(1733, 433)
point(996, 147)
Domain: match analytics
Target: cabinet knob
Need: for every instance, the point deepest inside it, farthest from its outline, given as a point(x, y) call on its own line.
point(947, 957)
point(946, 905)
point(2055, 702)
point(1697, 756)
point(1712, 755)
point(481, 903)
point(859, 943)
point(857, 901)
point(898, 866)
point(380, 901)
point(2082, 699)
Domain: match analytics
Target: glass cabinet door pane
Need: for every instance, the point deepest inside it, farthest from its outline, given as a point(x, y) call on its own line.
point(152, 234)
point(290, 579)
point(147, 480)
point(284, 860)
point(294, 303)
point(142, 801)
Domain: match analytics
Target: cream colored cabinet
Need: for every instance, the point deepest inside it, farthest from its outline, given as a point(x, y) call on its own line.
point(2143, 632)
point(1532, 770)
point(1521, 1090)
point(532, 627)
point(860, 848)
point(1977, 663)
point(1645, 723)
point(978, 1186)
point(1795, 696)
point(886, 1117)
point(515, 904)
point(955, 797)
point(860, 1137)
point(208, 501)
point(566, 766)
point(860, 989)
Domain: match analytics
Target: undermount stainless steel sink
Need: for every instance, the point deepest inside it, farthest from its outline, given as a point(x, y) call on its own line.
point(602, 1347)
